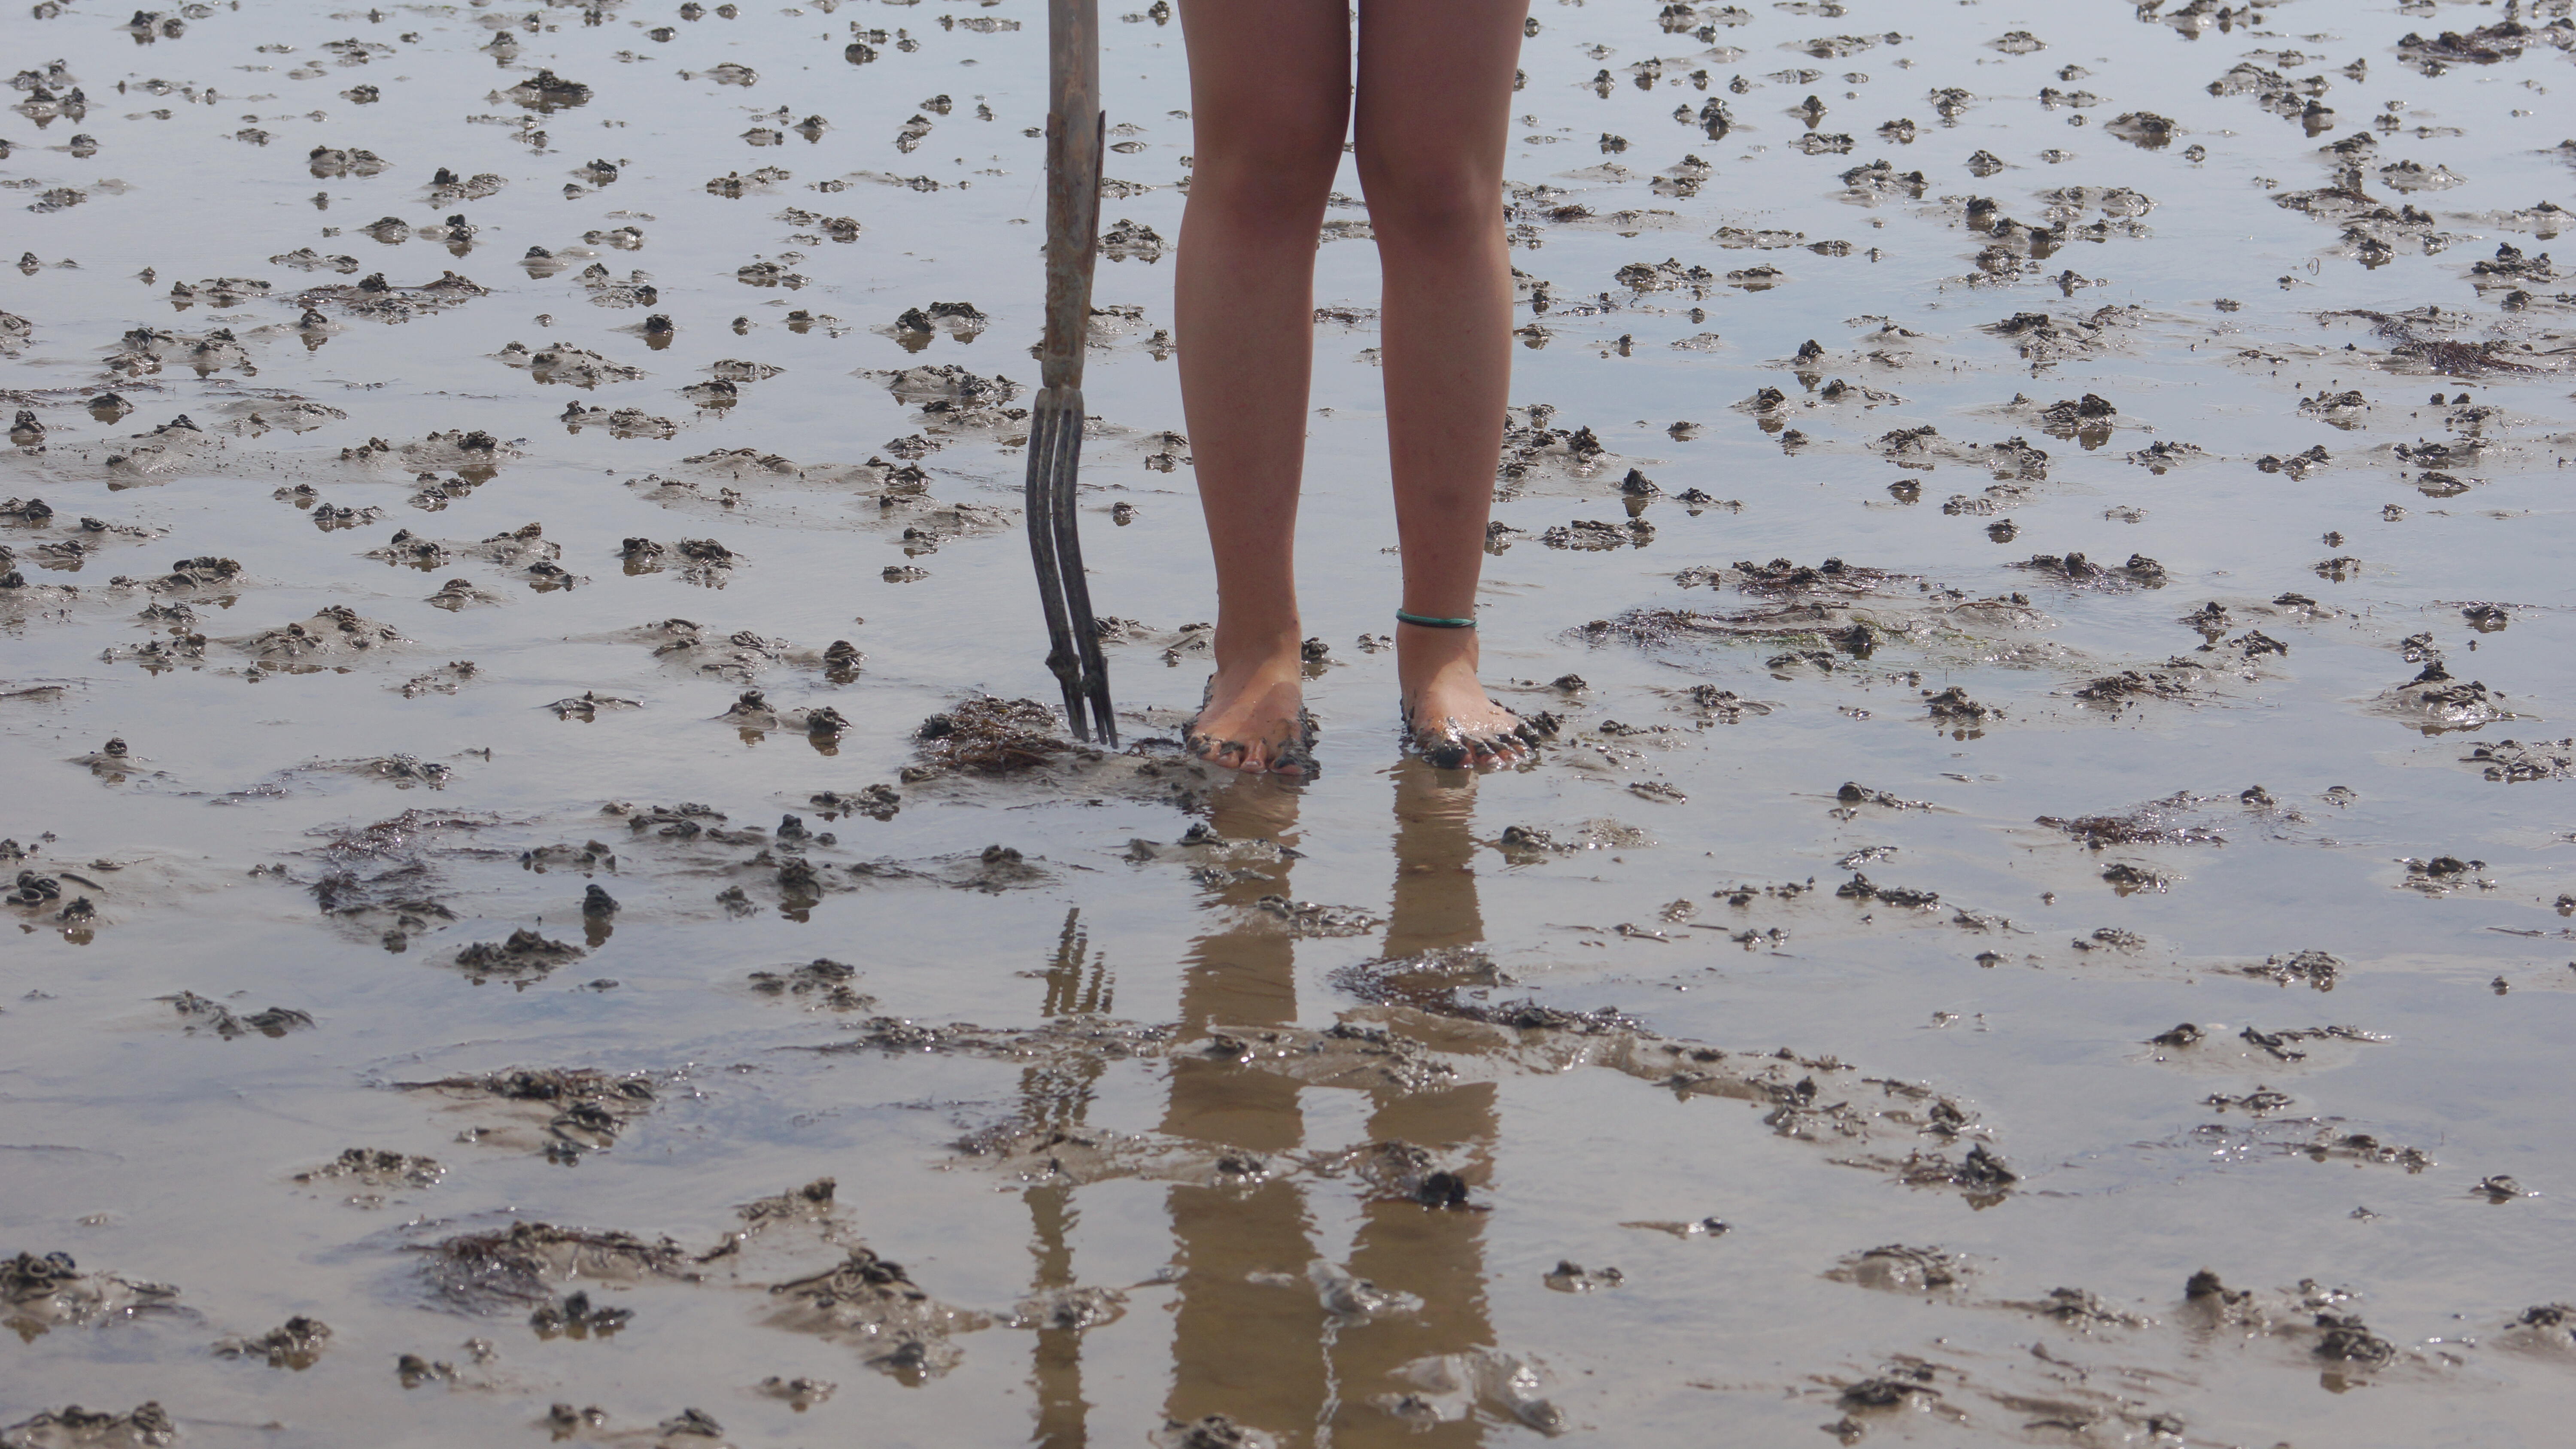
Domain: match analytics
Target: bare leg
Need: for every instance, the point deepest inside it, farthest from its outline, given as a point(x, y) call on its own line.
point(1270, 103)
point(1435, 88)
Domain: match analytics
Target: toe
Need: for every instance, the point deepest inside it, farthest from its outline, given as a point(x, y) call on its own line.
point(1294, 758)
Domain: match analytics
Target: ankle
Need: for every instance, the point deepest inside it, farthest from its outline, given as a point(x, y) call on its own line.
point(1435, 663)
point(1254, 646)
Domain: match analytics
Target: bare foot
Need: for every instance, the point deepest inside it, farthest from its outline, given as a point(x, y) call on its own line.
point(1254, 717)
point(1447, 714)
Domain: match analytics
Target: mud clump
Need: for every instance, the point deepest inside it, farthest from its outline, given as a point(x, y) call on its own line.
point(2435, 702)
point(2140, 572)
point(1861, 888)
point(1401, 1171)
point(619, 422)
point(295, 1344)
point(898, 1329)
point(1782, 577)
point(2490, 44)
point(575, 1316)
point(1216, 1431)
point(545, 92)
point(374, 298)
point(738, 657)
point(2157, 822)
point(2143, 129)
point(377, 1167)
point(49, 1290)
point(878, 802)
point(821, 983)
point(2428, 342)
point(1852, 793)
point(579, 1110)
point(2129, 879)
point(2081, 1308)
point(1980, 1171)
point(1898, 1268)
point(2344, 1338)
point(525, 954)
point(576, 366)
point(2039, 337)
point(2316, 969)
point(1879, 180)
point(2175, 679)
point(2297, 466)
point(337, 632)
point(145, 1426)
point(1952, 706)
point(523, 1264)
point(329, 161)
point(2514, 762)
point(2554, 1323)
point(1126, 240)
point(201, 1014)
point(1592, 535)
point(987, 737)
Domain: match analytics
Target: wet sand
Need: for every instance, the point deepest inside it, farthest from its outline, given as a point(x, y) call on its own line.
point(536, 914)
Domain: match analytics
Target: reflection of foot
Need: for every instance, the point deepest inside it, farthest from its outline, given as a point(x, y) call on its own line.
point(1253, 718)
point(1448, 718)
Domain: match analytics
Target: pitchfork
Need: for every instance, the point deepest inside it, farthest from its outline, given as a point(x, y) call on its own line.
point(1074, 136)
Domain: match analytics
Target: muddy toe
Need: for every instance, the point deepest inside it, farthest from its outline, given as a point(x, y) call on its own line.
point(1296, 757)
point(1452, 748)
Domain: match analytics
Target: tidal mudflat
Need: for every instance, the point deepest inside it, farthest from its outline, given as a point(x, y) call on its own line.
point(542, 907)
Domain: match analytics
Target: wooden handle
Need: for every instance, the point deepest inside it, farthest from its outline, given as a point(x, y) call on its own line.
point(1075, 133)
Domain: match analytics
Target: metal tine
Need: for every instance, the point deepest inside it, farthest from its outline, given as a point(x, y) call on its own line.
point(1091, 675)
point(1075, 137)
point(1062, 656)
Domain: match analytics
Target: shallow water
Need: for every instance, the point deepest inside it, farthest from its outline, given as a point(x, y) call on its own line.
point(1157, 1103)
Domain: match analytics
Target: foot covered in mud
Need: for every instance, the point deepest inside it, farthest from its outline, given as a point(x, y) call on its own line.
point(1448, 718)
point(1254, 719)
point(1489, 738)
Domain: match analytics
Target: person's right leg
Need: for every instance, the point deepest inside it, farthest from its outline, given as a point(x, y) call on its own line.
point(1269, 105)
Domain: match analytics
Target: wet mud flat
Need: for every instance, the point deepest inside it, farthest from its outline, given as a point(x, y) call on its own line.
point(543, 908)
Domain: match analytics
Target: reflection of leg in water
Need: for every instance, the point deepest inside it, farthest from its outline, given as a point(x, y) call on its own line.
point(1435, 853)
point(1436, 1254)
point(1056, 1371)
point(1251, 1351)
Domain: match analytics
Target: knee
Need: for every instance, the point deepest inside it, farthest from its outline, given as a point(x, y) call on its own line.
point(1432, 204)
point(1279, 180)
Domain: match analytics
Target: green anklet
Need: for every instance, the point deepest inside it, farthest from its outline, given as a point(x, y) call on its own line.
point(1430, 621)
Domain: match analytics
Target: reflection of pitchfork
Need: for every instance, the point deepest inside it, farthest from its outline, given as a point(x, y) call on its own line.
point(1074, 133)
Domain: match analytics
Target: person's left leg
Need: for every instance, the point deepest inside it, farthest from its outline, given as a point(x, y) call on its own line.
point(1433, 114)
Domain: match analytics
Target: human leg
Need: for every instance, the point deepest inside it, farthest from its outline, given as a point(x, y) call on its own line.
point(1434, 104)
point(1269, 105)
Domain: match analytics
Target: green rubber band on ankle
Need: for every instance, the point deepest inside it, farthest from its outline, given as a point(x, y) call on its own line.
point(1430, 621)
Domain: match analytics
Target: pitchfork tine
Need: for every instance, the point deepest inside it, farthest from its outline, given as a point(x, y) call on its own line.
point(1074, 138)
point(1044, 493)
